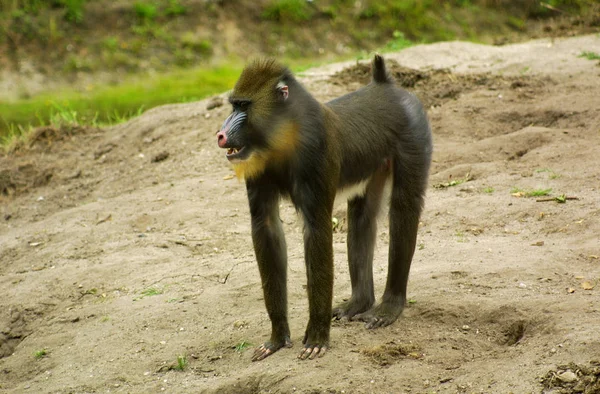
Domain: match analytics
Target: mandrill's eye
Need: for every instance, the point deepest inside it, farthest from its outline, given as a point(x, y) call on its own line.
point(241, 105)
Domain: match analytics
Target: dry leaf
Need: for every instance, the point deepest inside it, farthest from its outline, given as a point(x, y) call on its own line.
point(106, 219)
point(538, 243)
point(570, 290)
point(518, 194)
point(227, 177)
point(587, 285)
point(593, 256)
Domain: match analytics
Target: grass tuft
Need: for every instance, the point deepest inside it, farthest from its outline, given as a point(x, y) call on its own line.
point(146, 12)
point(397, 43)
point(151, 291)
point(288, 10)
point(518, 192)
point(182, 362)
point(242, 346)
point(538, 193)
point(590, 55)
point(454, 182)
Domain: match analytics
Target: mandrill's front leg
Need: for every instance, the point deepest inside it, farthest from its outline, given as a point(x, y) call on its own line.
point(271, 255)
point(318, 253)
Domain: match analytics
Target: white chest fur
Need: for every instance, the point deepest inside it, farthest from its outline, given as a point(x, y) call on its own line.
point(351, 191)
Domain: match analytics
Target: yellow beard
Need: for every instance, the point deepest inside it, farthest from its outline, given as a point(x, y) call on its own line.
point(282, 147)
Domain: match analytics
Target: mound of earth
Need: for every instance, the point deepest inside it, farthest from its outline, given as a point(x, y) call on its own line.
point(127, 266)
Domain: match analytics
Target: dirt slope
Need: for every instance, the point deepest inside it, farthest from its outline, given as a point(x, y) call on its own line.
point(121, 249)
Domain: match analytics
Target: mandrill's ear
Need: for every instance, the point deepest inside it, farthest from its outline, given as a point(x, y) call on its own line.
point(282, 91)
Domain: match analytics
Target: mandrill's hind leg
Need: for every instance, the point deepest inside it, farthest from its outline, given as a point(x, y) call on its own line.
point(362, 231)
point(405, 208)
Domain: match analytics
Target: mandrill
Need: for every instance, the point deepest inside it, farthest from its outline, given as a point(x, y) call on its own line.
point(284, 143)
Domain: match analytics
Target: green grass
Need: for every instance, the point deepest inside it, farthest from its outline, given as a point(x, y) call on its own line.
point(453, 182)
point(151, 291)
point(182, 362)
point(552, 175)
point(590, 55)
point(243, 345)
point(145, 11)
point(538, 193)
point(40, 354)
point(107, 105)
point(397, 43)
point(288, 11)
point(518, 192)
point(461, 237)
point(73, 10)
point(113, 104)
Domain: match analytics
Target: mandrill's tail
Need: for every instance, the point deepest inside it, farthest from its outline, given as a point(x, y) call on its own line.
point(380, 74)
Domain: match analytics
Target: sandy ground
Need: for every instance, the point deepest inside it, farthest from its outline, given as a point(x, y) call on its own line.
point(122, 249)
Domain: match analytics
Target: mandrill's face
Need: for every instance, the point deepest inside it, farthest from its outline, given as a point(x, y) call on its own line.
point(254, 134)
point(233, 135)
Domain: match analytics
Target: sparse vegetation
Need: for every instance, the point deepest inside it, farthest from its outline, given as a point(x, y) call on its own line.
point(40, 354)
point(461, 237)
point(397, 43)
point(590, 55)
point(73, 10)
point(538, 193)
point(488, 190)
point(553, 175)
point(151, 291)
point(242, 346)
point(518, 192)
point(561, 199)
point(146, 12)
point(182, 362)
point(453, 182)
point(288, 11)
point(174, 8)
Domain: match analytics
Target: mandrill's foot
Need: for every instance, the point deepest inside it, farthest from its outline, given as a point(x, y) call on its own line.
point(348, 309)
point(312, 351)
point(316, 340)
point(268, 348)
point(382, 315)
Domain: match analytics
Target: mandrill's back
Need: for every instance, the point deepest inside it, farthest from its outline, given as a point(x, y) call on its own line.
point(377, 122)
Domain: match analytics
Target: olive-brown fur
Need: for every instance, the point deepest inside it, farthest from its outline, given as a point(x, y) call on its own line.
point(296, 147)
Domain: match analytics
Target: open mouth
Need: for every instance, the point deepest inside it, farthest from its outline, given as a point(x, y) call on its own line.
point(235, 153)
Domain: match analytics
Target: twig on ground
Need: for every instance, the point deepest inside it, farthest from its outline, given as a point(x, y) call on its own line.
point(559, 199)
